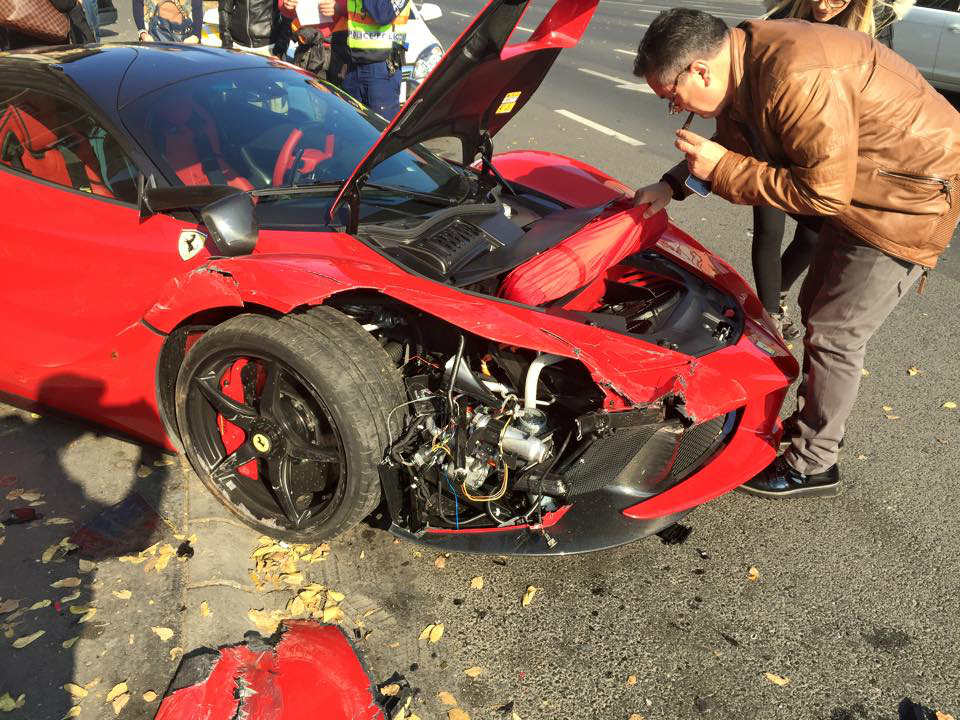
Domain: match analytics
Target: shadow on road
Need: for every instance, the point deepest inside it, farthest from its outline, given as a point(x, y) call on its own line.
point(76, 524)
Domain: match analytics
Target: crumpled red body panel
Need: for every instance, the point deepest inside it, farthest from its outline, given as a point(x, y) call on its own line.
point(313, 672)
point(580, 259)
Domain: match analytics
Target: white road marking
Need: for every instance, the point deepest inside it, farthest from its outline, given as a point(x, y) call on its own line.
point(459, 14)
point(621, 83)
point(601, 128)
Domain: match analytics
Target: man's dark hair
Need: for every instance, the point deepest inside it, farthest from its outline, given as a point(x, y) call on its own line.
point(675, 39)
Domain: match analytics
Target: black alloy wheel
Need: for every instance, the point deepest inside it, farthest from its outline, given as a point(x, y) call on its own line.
point(285, 421)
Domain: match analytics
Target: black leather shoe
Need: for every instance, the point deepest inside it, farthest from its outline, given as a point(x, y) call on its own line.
point(779, 480)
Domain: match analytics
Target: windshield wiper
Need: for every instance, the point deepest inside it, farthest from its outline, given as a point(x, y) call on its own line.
point(314, 189)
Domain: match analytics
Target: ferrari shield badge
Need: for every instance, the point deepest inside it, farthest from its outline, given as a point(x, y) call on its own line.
point(191, 242)
point(508, 103)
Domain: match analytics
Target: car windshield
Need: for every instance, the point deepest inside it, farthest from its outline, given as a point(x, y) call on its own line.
point(276, 127)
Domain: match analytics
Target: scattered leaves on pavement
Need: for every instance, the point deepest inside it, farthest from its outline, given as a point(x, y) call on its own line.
point(528, 595)
point(73, 712)
point(86, 566)
point(76, 691)
point(9, 704)
point(164, 633)
point(446, 698)
point(457, 714)
point(205, 609)
point(440, 562)
point(70, 582)
point(87, 616)
point(753, 574)
point(432, 633)
point(67, 644)
point(22, 642)
point(39, 605)
point(149, 696)
point(631, 680)
point(9, 605)
point(122, 594)
point(390, 690)
point(777, 679)
point(887, 408)
point(116, 691)
point(950, 405)
point(120, 702)
point(943, 716)
point(474, 672)
point(913, 371)
point(864, 372)
point(278, 563)
point(892, 417)
point(476, 583)
point(175, 652)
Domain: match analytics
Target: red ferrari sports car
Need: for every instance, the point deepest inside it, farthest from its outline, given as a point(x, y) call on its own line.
point(214, 252)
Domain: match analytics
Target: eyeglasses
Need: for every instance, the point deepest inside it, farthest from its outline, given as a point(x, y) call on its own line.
point(835, 4)
point(674, 106)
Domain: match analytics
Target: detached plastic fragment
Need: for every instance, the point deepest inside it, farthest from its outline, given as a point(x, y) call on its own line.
point(307, 670)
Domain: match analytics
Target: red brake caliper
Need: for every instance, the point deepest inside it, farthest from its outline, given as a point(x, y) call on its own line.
point(233, 436)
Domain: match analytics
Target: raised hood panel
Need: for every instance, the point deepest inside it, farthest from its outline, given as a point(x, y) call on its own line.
point(480, 83)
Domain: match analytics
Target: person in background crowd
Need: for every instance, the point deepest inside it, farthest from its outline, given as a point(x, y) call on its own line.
point(168, 20)
point(314, 51)
point(368, 42)
point(80, 31)
point(252, 25)
point(774, 275)
point(825, 122)
point(92, 13)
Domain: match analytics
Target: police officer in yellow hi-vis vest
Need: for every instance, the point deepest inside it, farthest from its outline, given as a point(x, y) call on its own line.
point(368, 48)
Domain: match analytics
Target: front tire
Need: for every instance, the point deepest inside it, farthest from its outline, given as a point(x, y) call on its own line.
point(285, 421)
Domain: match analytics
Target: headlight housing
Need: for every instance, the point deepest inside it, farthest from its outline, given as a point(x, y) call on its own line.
point(426, 62)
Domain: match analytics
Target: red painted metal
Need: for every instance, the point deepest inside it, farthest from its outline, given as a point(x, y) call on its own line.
point(313, 672)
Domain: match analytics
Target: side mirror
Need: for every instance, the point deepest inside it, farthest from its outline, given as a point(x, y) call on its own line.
point(430, 11)
point(232, 224)
point(227, 212)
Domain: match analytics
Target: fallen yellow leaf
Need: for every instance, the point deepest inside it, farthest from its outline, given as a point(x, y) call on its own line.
point(436, 633)
point(85, 566)
point(122, 594)
point(149, 696)
point(9, 605)
point(637, 716)
point(887, 408)
point(864, 372)
point(892, 417)
point(332, 614)
point(205, 609)
point(76, 690)
point(440, 562)
point(950, 405)
point(753, 574)
point(631, 680)
point(22, 642)
point(71, 597)
point(92, 684)
point(446, 698)
point(7, 703)
point(175, 652)
point(164, 633)
point(87, 616)
point(57, 521)
point(79, 609)
point(120, 703)
point(476, 583)
point(39, 604)
point(473, 672)
point(293, 578)
point(390, 690)
point(334, 596)
point(117, 690)
point(457, 714)
point(776, 679)
point(67, 644)
point(913, 371)
point(425, 633)
point(528, 596)
point(265, 622)
point(69, 582)
point(73, 712)
point(943, 716)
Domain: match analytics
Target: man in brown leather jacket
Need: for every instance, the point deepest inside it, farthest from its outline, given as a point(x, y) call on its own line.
point(818, 121)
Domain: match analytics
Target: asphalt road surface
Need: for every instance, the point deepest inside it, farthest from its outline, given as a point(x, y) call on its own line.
point(855, 600)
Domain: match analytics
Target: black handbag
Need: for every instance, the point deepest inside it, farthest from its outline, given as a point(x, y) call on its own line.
point(163, 30)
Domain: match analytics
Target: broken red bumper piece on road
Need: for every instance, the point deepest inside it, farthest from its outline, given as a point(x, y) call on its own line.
point(313, 671)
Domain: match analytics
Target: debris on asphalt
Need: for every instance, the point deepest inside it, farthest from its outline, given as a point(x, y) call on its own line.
point(120, 529)
point(753, 574)
point(390, 690)
point(22, 642)
point(9, 704)
point(474, 672)
point(777, 679)
point(185, 549)
point(22, 516)
point(446, 698)
point(122, 594)
point(116, 691)
point(149, 696)
point(277, 564)
point(70, 582)
point(950, 405)
point(631, 680)
point(205, 609)
point(913, 371)
point(457, 714)
point(8, 605)
point(76, 691)
point(441, 561)
point(73, 712)
point(164, 633)
point(528, 595)
point(476, 583)
point(676, 534)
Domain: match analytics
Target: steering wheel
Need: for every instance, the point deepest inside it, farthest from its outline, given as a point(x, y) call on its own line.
point(295, 160)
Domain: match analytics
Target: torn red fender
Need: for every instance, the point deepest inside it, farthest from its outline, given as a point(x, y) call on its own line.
point(312, 672)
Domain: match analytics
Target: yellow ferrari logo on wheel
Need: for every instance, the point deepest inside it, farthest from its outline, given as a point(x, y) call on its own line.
point(261, 442)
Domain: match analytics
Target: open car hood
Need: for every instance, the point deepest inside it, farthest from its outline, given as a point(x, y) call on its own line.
point(479, 84)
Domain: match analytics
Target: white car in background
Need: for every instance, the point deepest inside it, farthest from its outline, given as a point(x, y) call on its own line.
point(423, 49)
point(929, 37)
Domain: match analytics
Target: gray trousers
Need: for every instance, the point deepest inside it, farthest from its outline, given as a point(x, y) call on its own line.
point(849, 291)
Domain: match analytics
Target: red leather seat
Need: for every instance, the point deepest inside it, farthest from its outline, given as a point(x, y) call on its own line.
point(187, 137)
point(61, 155)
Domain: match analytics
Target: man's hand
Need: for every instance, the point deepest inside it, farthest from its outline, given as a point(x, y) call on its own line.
point(702, 154)
point(191, 40)
point(657, 195)
point(327, 7)
point(290, 5)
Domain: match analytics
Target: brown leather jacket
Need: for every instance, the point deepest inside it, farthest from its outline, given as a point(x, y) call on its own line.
point(826, 121)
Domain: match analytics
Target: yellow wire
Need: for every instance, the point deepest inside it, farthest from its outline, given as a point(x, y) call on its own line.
point(506, 470)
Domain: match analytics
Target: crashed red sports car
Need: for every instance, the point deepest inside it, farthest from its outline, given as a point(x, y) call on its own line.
point(215, 252)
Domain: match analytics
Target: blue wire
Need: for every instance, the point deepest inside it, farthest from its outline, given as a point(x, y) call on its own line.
point(456, 503)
